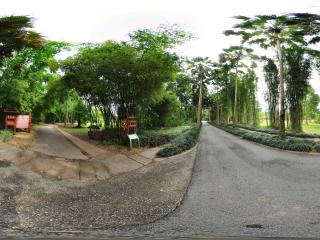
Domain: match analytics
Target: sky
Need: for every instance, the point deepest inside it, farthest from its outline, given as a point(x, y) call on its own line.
point(78, 21)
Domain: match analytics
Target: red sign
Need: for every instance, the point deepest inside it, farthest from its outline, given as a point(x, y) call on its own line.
point(17, 121)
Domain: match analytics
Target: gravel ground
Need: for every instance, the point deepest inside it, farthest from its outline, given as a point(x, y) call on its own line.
point(30, 203)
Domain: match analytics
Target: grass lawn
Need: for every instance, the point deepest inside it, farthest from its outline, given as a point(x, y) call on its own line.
point(308, 128)
point(167, 130)
point(311, 128)
point(78, 132)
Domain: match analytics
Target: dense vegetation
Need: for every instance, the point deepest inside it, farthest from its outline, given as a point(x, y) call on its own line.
point(103, 83)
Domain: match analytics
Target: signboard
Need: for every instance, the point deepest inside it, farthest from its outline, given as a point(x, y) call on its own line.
point(23, 121)
point(133, 137)
point(16, 121)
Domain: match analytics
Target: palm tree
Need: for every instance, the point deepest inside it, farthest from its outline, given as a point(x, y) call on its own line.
point(15, 35)
point(277, 31)
point(201, 71)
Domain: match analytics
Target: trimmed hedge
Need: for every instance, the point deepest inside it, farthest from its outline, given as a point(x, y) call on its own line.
point(147, 140)
point(275, 132)
point(181, 143)
point(317, 147)
point(275, 141)
point(291, 144)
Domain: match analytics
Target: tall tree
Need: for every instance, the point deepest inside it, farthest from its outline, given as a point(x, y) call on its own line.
point(234, 56)
point(271, 76)
point(201, 70)
point(298, 71)
point(16, 34)
point(277, 31)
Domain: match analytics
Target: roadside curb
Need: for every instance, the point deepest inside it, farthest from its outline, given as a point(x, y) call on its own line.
point(84, 146)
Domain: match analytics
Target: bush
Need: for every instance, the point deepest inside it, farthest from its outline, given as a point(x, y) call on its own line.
point(275, 141)
point(160, 136)
point(6, 135)
point(154, 140)
point(181, 143)
point(275, 132)
point(291, 144)
point(317, 147)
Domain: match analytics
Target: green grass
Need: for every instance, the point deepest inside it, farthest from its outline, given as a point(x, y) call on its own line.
point(167, 130)
point(6, 135)
point(312, 128)
point(74, 130)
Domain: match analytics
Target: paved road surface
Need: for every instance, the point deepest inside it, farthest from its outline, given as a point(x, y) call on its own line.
point(51, 142)
point(241, 188)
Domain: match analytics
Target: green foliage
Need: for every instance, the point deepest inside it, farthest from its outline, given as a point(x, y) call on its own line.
point(291, 144)
point(310, 105)
point(181, 143)
point(6, 135)
point(275, 132)
point(271, 76)
point(125, 78)
point(298, 72)
point(160, 136)
point(165, 113)
point(16, 34)
point(24, 77)
point(317, 147)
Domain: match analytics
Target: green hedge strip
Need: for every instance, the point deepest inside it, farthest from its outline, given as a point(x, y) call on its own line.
point(291, 144)
point(181, 143)
point(275, 132)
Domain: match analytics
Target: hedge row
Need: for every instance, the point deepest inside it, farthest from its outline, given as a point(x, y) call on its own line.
point(275, 132)
point(291, 144)
point(317, 147)
point(155, 140)
point(181, 143)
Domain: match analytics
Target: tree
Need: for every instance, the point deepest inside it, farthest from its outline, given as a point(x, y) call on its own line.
point(271, 76)
point(277, 31)
point(234, 56)
point(15, 35)
point(201, 71)
point(298, 71)
point(310, 105)
point(25, 75)
point(123, 78)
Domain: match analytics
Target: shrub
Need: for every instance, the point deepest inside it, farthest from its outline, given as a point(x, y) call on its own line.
point(275, 132)
point(6, 135)
point(317, 147)
point(289, 143)
point(181, 143)
point(148, 140)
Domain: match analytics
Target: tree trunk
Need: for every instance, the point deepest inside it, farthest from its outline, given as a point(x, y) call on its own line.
point(235, 102)
point(282, 113)
point(217, 114)
point(199, 111)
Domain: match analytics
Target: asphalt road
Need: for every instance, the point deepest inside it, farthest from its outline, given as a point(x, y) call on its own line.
point(242, 188)
point(51, 142)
